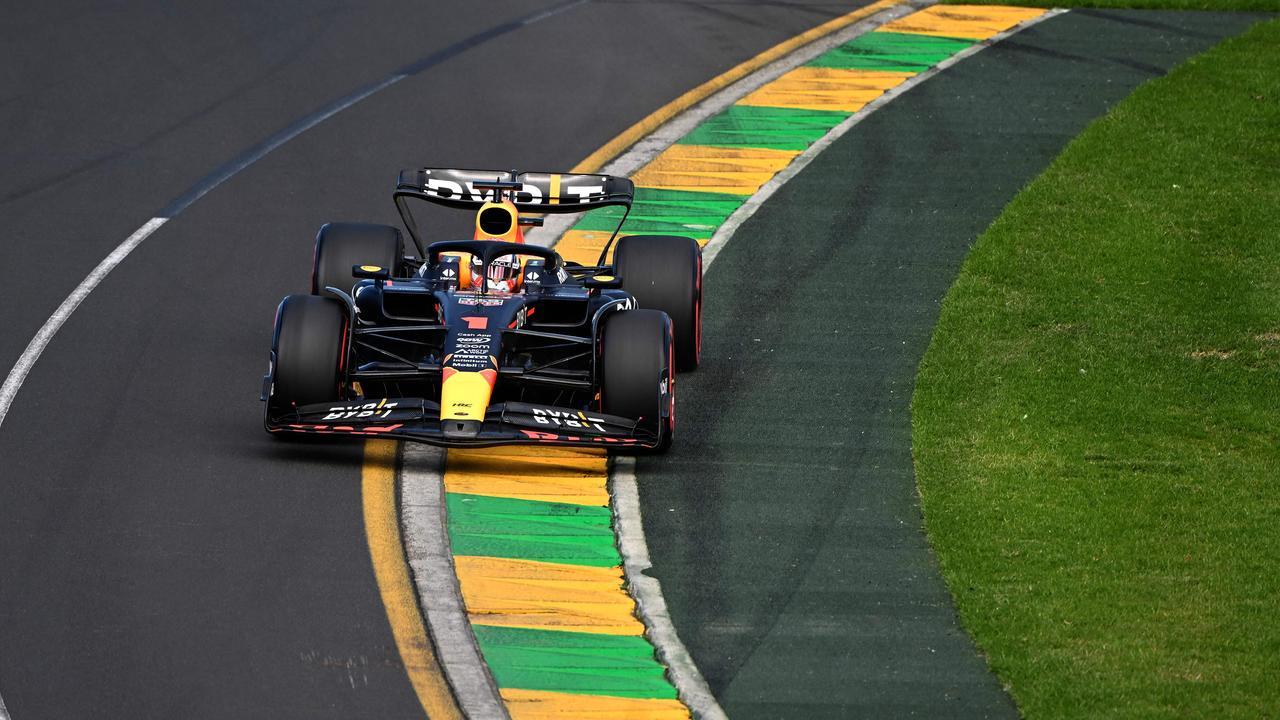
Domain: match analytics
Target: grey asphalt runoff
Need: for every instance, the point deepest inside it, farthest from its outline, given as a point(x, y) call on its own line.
point(160, 555)
point(784, 524)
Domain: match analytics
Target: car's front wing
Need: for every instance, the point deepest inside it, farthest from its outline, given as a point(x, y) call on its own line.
point(418, 420)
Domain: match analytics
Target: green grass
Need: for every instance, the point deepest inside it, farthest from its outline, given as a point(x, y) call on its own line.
point(1257, 5)
point(1097, 419)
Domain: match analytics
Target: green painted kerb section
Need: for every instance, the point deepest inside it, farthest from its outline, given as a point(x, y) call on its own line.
point(531, 530)
point(573, 662)
point(896, 52)
point(749, 126)
point(668, 212)
point(699, 214)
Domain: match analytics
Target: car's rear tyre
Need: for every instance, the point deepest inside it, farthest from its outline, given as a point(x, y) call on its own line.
point(664, 272)
point(340, 245)
point(309, 347)
point(635, 376)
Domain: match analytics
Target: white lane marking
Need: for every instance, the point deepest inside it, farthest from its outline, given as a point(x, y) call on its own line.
point(28, 359)
point(426, 545)
point(18, 375)
point(51, 326)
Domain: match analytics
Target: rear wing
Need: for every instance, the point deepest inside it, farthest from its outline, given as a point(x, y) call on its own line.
point(537, 192)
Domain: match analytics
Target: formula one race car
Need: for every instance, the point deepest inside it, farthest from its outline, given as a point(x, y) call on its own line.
point(489, 341)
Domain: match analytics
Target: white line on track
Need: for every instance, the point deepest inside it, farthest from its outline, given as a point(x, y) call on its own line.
point(38, 343)
point(18, 375)
point(22, 368)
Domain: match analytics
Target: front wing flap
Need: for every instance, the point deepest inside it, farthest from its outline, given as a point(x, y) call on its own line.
point(418, 420)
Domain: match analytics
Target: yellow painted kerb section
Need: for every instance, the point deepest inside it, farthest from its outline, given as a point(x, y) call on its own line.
point(546, 596)
point(547, 705)
point(566, 475)
point(970, 22)
point(632, 135)
point(736, 171)
point(811, 88)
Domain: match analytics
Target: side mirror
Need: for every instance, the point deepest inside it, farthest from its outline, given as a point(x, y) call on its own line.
point(370, 272)
point(603, 281)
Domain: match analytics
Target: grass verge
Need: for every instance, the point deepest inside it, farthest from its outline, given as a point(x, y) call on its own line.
point(1096, 420)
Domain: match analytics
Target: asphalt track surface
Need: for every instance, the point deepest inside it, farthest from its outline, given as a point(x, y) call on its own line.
point(160, 555)
point(784, 524)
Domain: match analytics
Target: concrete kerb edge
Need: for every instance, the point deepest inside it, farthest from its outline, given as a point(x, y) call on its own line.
point(429, 554)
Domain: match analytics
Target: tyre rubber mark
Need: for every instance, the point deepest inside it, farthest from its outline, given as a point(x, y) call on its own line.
point(526, 527)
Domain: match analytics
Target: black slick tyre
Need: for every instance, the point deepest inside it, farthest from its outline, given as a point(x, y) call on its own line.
point(340, 245)
point(636, 380)
point(309, 347)
point(664, 272)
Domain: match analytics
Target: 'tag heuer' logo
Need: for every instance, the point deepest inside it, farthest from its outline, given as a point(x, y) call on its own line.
point(377, 410)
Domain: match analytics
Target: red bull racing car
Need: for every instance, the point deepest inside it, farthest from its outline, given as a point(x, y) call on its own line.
point(489, 340)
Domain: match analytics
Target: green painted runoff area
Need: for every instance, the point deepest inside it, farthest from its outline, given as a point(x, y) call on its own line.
point(1096, 419)
point(784, 524)
point(573, 662)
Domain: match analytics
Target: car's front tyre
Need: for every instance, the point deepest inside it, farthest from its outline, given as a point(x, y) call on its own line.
point(309, 350)
point(636, 379)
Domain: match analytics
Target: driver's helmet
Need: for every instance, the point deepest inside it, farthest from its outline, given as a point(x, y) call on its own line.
point(503, 275)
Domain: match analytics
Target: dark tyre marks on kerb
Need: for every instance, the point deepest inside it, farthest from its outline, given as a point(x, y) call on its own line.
point(784, 526)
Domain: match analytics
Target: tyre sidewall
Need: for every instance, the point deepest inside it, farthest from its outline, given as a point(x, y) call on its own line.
point(308, 351)
point(664, 272)
point(636, 379)
point(339, 246)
